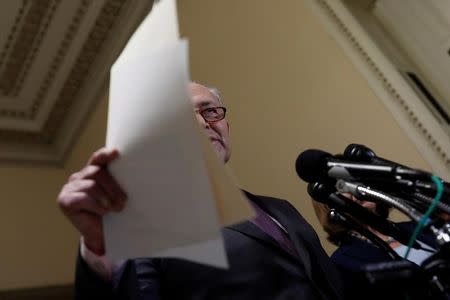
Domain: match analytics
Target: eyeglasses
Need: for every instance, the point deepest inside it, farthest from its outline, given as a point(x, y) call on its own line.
point(212, 114)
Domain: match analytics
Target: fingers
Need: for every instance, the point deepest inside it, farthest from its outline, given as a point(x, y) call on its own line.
point(90, 189)
point(91, 193)
point(107, 190)
point(109, 185)
point(82, 202)
point(103, 157)
point(114, 192)
point(83, 195)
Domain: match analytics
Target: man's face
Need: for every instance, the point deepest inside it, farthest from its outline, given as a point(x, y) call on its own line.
point(218, 132)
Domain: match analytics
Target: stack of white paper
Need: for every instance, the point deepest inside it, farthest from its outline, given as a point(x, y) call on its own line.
point(179, 194)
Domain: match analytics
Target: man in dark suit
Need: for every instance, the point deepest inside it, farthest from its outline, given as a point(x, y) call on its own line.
point(276, 255)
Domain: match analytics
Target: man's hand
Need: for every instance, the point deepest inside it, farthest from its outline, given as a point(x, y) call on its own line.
point(88, 195)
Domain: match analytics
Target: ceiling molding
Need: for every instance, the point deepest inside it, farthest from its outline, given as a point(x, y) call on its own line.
point(12, 32)
point(388, 83)
point(77, 41)
point(34, 26)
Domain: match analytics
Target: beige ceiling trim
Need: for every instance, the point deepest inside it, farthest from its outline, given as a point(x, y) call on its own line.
point(79, 72)
point(391, 88)
point(53, 69)
point(67, 96)
point(56, 63)
point(10, 40)
point(45, 24)
point(23, 44)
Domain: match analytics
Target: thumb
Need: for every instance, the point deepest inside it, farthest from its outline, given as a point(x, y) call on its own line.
point(103, 156)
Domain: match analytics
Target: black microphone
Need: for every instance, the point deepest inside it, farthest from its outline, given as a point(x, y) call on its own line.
point(326, 194)
point(361, 153)
point(316, 165)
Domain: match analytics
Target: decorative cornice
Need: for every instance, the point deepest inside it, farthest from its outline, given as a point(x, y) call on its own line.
point(18, 19)
point(26, 36)
point(65, 44)
point(56, 90)
point(36, 44)
point(91, 47)
point(416, 120)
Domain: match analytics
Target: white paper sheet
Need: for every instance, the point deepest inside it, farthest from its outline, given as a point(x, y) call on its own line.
point(175, 184)
point(157, 30)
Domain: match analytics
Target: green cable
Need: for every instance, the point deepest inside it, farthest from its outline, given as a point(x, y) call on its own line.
point(425, 218)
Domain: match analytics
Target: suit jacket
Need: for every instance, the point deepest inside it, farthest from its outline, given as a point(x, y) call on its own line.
point(259, 267)
point(354, 254)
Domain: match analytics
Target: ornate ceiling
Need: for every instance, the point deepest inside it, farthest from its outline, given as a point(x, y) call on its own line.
point(55, 57)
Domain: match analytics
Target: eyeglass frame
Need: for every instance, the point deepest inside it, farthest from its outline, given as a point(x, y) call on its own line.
point(200, 112)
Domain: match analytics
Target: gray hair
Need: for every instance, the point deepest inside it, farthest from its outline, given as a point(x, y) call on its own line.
point(213, 90)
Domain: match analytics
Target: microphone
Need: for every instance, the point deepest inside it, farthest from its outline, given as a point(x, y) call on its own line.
point(316, 165)
point(325, 194)
point(361, 153)
point(361, 191)
point(442, 235)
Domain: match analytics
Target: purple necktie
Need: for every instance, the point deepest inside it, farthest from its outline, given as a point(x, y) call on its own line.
point(268, 225)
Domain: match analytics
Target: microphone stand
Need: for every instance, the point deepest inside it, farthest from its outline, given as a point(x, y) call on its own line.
point(348, 221)
point(442, 235)
point(434, 272)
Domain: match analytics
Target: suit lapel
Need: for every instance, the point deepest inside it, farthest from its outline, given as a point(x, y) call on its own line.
point(305, 240)
point(294, 226)
point(250, 229)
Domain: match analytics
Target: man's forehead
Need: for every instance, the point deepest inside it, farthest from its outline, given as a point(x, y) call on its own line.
point(201, 96)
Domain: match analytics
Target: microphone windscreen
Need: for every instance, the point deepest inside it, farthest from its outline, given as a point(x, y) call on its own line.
point(311, 165)
point(361, 153)
point(320, 191)
point(358, 152)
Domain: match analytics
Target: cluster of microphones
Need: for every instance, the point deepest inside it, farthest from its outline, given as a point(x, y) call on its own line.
point(359, 172)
